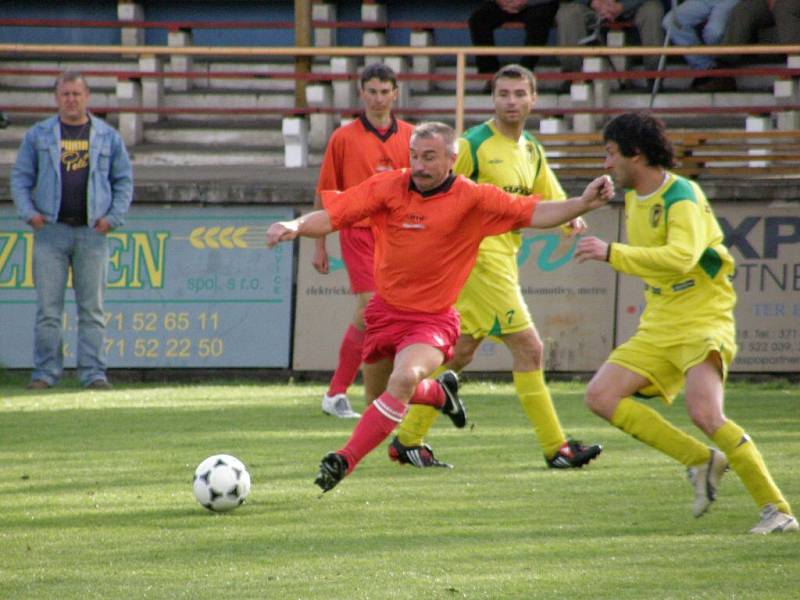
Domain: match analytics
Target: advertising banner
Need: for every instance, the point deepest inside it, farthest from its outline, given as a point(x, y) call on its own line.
point(187, 287)
point(324, 306)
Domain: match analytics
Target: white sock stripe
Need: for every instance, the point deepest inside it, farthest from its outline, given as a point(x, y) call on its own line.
point(388, 412)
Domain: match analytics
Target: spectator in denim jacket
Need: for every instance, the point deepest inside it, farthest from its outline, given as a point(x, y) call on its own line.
point(72, 183)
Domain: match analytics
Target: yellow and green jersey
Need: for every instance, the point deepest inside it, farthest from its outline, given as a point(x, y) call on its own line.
point(519, 167)
point(675, 247)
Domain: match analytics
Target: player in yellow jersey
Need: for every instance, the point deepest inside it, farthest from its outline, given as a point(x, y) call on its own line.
point(686, 335)
point(500, 152)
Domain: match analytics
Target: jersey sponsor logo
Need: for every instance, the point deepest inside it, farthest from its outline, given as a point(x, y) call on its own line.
point(414, 222)
point(384, 164)
point(655, 215)
point(517, 189)
point(495, 161)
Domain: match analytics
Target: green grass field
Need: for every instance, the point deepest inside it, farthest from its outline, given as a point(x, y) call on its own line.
point(96, 502)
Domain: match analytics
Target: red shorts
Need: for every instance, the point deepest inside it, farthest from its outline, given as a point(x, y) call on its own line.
point(358, 251)
point(389, 330)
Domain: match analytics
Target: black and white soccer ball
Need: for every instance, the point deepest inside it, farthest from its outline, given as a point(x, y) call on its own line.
point(221, 483)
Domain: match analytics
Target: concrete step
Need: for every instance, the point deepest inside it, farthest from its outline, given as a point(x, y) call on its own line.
point(213, 155)
point(258, 134)
point(14, 133)
point(195, 99)
point(45, 82)
point(45, 98)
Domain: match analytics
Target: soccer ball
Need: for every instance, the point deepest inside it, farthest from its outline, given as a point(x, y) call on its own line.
point(221, 482)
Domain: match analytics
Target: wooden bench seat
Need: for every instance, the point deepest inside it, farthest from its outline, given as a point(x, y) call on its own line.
point(723, 153)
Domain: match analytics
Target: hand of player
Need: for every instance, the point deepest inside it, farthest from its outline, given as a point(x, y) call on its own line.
point(591, 248)
point(320, 259)
point(512, 6)
point(37, 221)
point(598, 192)
point(574, 227)
point(281, 231)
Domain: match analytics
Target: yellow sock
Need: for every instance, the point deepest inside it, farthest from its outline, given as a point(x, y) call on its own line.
point(538, 405)
point(746, 461)
point(418, 421)
point(646, 425)
point(439, 370)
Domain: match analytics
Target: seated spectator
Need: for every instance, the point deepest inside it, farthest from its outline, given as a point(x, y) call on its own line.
point(537, 15)
point(575, 17)
point(706, 18)
point(748, 16)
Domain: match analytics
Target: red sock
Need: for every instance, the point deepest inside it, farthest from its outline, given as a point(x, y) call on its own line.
point(428, 392)
point(374, 426)
point(349, 361)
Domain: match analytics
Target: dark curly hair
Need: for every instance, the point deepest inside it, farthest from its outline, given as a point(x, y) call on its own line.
point(641, 133)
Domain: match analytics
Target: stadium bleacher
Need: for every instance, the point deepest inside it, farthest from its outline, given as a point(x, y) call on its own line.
point(183, 103)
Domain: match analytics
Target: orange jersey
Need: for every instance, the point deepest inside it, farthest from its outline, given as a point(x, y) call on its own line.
point(426, 243)
point(357, 151)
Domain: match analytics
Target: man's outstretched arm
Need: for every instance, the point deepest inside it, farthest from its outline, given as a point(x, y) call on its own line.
point(596, 194)
point(313, 224)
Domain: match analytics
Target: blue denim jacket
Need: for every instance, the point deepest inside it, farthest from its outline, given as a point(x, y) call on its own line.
point(36, 176)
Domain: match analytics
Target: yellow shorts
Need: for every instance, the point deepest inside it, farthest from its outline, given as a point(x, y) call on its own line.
point(491, 303)
point(665, 366)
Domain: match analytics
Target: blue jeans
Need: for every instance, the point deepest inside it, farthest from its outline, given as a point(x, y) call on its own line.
point(56, 248)
point(711, 16)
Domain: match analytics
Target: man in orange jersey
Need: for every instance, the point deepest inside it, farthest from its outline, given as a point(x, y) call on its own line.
point(423, 217)
point(376, 141)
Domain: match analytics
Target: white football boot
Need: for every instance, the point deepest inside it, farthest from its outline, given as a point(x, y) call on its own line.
point(775, 521)
point(338, 406)
point(705, 480)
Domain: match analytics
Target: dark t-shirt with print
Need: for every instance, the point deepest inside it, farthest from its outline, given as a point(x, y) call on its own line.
point(74, 173)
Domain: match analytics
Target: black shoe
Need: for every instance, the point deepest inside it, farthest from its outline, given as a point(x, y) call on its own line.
point(419, 456)
point(573, 455)
point(99, 384)
point(453, 406)
point(38, 384)
point(332, 470)
point(713, 84)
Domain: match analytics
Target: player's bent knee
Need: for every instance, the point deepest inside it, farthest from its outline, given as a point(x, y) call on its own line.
point(403, 382)
point(598, 400)
point(707, 421)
